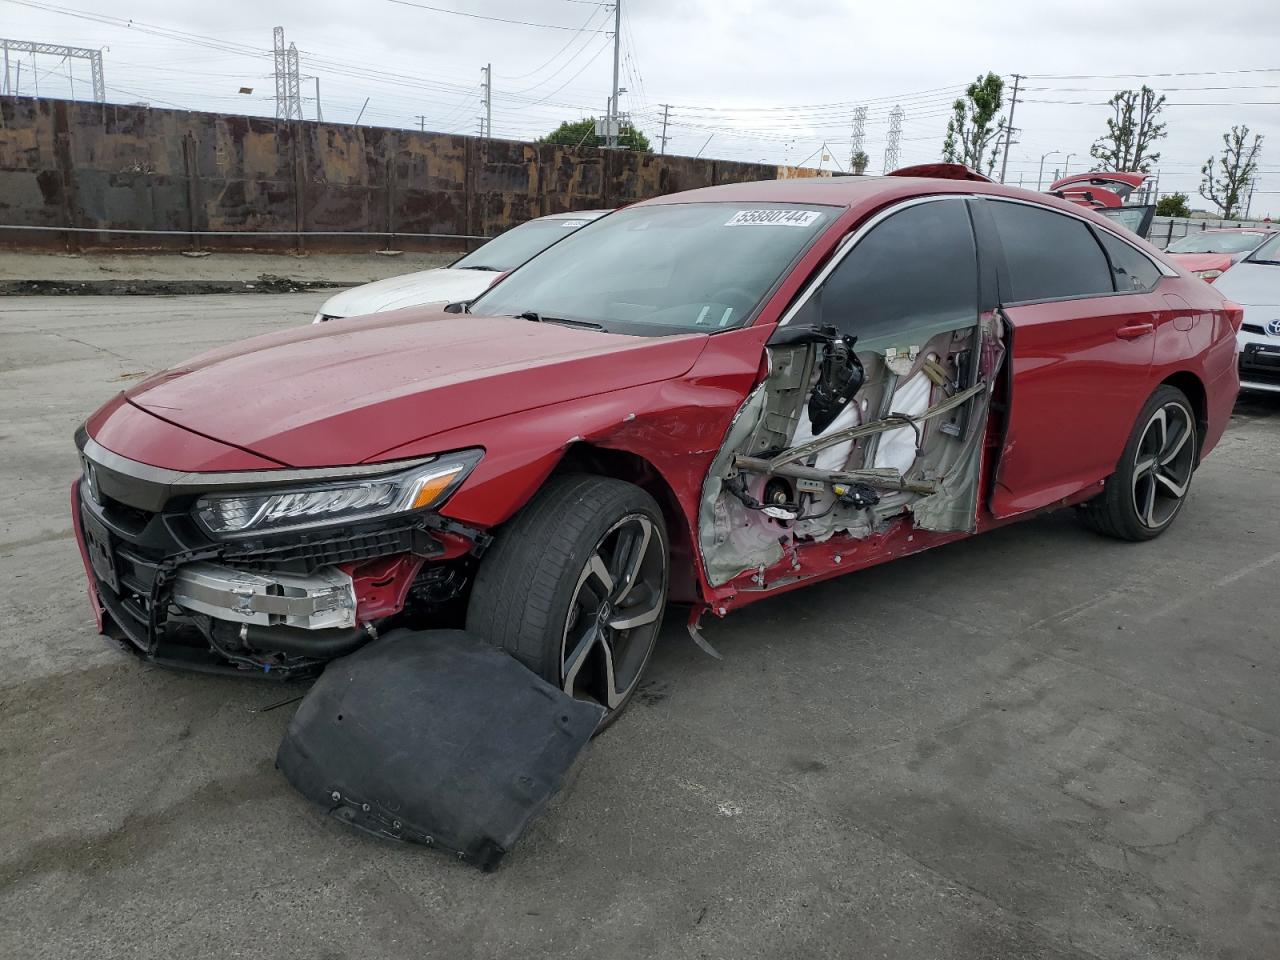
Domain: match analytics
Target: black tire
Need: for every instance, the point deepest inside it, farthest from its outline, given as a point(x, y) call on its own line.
point(534, 590)
point(1141, 499)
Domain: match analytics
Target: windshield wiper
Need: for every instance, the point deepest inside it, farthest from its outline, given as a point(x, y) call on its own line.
point(482, 266)
point(1272, 263)
point(535, 317)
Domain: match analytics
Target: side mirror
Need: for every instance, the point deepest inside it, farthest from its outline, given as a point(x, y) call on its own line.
point(798, 334)
point(458, 306)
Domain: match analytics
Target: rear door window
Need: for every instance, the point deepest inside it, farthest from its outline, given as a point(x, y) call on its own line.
point(1050, 256)
point(917, 266)
point(1133, 272)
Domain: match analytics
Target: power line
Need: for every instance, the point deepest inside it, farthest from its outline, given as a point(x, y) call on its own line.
point(555, 56)
point(480, 16)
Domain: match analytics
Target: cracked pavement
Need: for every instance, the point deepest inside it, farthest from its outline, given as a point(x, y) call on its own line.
point(1033, 744)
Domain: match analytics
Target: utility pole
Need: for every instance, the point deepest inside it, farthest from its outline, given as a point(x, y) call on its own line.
point(857, 136)
point(1040, 175)
point(893, 139)
point(487, 70)
point(1248, 204)
point(666, 112)
point(422, 122)
point(6, 66)
point(319, 112)
point(1008, 130)
point(617, 50)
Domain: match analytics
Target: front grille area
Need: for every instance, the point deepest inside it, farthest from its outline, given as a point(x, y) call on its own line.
point(138, 549)
point(1260, 366)
point(1253, 328)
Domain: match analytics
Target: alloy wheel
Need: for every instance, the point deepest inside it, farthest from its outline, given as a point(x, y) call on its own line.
point(615, 613)
point(1163, 465)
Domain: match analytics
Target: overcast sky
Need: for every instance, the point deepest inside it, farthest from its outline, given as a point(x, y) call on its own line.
point(745, 80)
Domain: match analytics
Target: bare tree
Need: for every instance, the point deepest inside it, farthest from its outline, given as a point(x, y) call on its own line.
point(973, 127)
point(1226, 178)
point(1131, 132)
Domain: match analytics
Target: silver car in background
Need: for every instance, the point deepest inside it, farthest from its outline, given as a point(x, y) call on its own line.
point(464, 279)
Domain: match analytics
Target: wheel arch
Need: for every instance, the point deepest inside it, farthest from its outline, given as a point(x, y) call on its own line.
point(587, 457)
point(1193, 389)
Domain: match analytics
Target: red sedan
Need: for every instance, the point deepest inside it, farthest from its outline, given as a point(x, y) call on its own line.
point(708, 398)
point(1208, 254)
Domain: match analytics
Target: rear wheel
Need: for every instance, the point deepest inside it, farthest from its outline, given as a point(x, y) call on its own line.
point(1151, 482)
point(575, 587)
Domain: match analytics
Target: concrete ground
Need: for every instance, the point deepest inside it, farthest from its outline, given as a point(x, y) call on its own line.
point(1034, 744)
point(347, 268)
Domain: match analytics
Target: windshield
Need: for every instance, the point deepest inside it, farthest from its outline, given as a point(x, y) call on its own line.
point(666, 268)
point(1215, 243)
point(1269, 252)
point(519, 244)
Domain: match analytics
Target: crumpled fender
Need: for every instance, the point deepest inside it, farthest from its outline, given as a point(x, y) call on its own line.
point(676, 425)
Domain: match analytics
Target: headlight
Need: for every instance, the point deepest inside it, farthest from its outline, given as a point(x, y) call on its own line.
point(1210, 275)
point(340, 501)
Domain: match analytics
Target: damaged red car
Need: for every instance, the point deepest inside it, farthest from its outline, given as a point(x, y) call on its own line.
point(708, 399)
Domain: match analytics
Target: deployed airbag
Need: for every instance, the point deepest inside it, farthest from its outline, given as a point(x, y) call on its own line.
point(435, 737)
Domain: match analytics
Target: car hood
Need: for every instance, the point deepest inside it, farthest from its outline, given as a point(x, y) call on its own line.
point(443, 285)
point(343, 393)
point(1199, 262)
point(1251, 284)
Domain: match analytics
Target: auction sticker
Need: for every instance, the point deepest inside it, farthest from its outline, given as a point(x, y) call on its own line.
point(773, 218)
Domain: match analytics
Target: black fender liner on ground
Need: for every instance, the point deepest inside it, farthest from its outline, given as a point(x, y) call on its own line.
point(435, 737)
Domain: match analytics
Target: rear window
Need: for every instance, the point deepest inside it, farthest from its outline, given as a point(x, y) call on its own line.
point(1133, 272)
point(1215, 243)
point(1050, 256)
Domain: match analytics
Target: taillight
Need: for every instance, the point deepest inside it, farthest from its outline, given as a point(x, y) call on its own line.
point(1235, 314)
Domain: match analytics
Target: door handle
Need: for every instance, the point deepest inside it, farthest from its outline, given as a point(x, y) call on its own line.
point(1133, 331)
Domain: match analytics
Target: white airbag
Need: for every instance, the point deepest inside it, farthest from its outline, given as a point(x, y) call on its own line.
point(832, 458)
point(897, 449)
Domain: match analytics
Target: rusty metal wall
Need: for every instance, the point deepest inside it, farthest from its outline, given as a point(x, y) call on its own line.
point(94, 165)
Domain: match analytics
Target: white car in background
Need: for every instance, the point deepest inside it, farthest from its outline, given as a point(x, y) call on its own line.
point(1254, 283)
point(463, 279)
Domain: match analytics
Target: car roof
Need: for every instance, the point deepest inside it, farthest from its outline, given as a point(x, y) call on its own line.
point(866, 193)
point(841, 191)
point(575, 215)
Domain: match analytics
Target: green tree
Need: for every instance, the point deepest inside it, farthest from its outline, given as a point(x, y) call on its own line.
point(1131, 132)
point(859, 162)
point(1226, 179)
point(973, 127)
point(1173, 205)
point(582, 133)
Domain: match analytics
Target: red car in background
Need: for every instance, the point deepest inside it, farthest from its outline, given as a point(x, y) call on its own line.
point(710, 398)
point(1208, 254)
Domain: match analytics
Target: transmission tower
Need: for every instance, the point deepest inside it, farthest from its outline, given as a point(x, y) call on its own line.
point(56, 50)
point(282, 72)
point(295, 85)
point(893, 139)
point(859, 133)
point(288, 80)
point(486, 122)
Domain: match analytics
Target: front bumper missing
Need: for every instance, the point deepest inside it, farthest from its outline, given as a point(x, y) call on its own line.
point(323, 600)
point(435, 737)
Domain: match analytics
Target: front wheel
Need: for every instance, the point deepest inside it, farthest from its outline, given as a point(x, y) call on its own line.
point(575, 587)
point(1140, 500)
